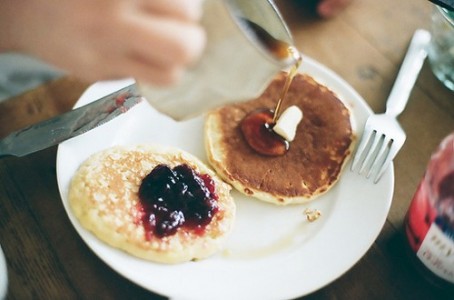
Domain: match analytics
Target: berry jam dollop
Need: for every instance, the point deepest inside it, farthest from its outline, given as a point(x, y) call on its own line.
point(174, 198)
point(257, 128)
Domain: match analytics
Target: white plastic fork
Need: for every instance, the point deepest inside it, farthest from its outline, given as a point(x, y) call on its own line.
point(383, 137)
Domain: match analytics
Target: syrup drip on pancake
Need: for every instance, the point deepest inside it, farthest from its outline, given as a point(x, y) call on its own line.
point(257, 127)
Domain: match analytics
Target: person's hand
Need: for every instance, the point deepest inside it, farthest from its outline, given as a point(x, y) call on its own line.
point(151, 40)
point(330, 8)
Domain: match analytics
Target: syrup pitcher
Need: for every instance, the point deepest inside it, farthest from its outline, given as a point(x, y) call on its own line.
point(246, 47)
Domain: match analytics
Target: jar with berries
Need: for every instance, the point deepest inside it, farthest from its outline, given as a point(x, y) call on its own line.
point(429, 223)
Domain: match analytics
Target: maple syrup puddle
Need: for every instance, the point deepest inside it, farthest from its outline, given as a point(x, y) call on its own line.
point(257, 128)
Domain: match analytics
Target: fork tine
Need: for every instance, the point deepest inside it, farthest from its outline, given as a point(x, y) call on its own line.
point(393, 150)
point(371, 154)
point(366, 137)
point(390, 156)
point(381, 156)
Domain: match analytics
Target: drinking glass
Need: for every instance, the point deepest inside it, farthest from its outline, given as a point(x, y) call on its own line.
point(441, 49)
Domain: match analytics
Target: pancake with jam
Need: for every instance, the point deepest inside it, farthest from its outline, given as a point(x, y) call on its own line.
point(315, 158)
point(157, 203)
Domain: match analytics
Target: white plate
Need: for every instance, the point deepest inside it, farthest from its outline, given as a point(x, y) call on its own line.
point(273, 253)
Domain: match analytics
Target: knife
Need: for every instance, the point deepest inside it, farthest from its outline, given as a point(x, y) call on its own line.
point(68, 125)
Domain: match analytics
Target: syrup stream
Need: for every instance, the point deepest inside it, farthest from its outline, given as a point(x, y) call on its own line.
point(281, 50)
point(292, 51)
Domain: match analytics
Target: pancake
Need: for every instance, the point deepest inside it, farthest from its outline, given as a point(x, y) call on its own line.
point(324, 142)
point(104, 196)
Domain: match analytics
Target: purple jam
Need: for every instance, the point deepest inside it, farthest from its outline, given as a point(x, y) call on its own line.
point(174, 198)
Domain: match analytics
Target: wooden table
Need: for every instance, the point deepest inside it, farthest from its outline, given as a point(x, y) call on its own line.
point(365, 45)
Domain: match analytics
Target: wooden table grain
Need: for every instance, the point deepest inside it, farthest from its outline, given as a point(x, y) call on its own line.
point(365, 45)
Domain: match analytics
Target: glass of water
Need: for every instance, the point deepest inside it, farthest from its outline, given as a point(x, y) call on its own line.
point(441, 49)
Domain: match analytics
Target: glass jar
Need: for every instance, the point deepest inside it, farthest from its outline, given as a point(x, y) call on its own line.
point(441, 49)
point(429, 223)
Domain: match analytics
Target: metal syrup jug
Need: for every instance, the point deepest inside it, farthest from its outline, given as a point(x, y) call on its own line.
point(238, 63)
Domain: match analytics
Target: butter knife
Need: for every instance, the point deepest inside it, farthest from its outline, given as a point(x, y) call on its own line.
point(70, 124)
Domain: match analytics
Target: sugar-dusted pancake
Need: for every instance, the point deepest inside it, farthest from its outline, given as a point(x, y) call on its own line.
point(104, 196)
point(323, 144)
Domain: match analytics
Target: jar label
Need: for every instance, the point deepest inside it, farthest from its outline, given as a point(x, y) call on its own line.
point(437, 253)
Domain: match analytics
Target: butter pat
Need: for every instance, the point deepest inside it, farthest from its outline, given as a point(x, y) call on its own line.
point(287, 122)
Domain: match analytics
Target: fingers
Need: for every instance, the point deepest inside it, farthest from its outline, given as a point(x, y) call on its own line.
point(115, 65)
point(331, 8)
point(163, 41)
point(156, 52)
point(165, 38)
point(186, 10)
